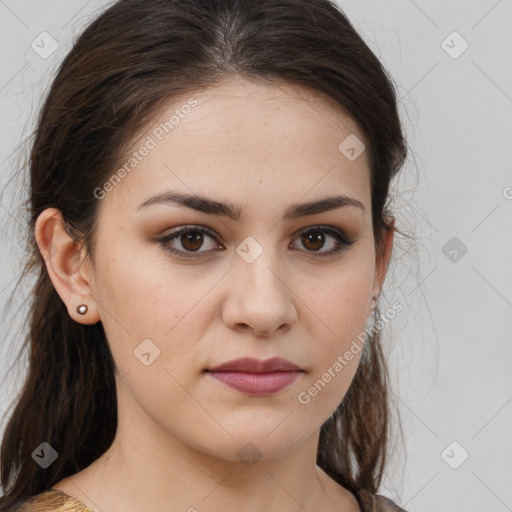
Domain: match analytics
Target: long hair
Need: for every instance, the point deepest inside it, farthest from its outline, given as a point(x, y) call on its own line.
point(126, 65)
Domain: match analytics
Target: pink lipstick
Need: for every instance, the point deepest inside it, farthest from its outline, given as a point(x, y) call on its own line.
point(256, 377)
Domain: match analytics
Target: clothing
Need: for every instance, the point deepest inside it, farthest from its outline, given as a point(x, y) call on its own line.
point(54, 500)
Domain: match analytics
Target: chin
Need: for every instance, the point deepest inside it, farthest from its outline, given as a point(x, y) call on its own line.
point(250, 446)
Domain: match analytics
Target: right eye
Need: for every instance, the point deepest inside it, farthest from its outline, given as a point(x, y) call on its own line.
point(191, 239)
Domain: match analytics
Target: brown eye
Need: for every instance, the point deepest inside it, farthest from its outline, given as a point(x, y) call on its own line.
point(316, 238)
point(313, 240)
point(191, 239)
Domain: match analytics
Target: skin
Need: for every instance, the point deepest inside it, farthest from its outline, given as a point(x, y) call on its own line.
point(263, 147)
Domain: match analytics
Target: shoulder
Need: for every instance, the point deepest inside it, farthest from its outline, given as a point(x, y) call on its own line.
point(377, 503)
point(53, 500)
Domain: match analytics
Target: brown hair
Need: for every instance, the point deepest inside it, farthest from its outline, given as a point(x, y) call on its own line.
point(129, 62)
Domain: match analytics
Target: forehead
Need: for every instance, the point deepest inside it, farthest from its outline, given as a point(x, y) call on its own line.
point(239, 137)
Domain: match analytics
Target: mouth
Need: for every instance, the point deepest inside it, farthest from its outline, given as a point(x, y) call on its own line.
point(256, 377)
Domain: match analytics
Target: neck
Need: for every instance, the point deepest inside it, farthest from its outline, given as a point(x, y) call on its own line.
point(146, 468)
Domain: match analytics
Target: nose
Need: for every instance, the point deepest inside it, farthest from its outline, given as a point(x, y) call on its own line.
point(259, 299)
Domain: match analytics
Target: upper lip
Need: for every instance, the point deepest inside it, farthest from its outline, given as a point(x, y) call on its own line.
point(252, 365)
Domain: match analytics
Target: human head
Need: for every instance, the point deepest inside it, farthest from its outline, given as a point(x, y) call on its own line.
point(134, 60)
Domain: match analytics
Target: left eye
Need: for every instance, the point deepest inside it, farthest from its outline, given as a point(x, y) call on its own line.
point(191, 239)
point(314, 238)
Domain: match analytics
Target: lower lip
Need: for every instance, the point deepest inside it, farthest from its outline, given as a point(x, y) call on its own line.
point(257, 383)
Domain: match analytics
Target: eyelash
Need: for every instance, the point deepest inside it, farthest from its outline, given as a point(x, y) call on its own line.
point(342, 240)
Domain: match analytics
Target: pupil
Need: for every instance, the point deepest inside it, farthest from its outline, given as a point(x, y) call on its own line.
point(197, 238)
point(318, 238)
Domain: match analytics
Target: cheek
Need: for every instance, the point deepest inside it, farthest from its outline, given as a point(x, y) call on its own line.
point(337, 312)
point(144, 297)
point(339, 344)
point(340, 301)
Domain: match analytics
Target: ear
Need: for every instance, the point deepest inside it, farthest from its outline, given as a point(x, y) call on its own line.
point(66, 265)
point(382, 259)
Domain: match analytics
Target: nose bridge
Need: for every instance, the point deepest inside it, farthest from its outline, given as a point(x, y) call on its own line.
point(259, 262)
point(259, 298)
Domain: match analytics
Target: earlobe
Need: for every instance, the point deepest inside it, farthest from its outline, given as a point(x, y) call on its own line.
point(65, 267)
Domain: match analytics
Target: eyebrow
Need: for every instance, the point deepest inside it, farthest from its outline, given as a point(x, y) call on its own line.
point(235, 212)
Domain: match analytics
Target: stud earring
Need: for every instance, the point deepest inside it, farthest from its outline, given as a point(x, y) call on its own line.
point(82, 309)
point(374, 303)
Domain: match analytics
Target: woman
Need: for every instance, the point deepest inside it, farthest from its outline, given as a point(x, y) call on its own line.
point(209, 182)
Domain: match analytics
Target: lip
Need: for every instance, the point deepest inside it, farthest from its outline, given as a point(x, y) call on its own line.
point(252, 365)
point(256, 377)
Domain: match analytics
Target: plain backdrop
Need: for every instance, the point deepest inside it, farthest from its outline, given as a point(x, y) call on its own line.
point(449, 348)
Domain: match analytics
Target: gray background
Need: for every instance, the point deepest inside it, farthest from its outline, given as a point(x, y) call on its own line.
point(449, 349)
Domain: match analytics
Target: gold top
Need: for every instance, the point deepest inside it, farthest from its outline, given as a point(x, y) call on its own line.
point(54, 500)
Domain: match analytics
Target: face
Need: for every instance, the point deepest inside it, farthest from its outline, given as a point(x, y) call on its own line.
point(182, 289)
